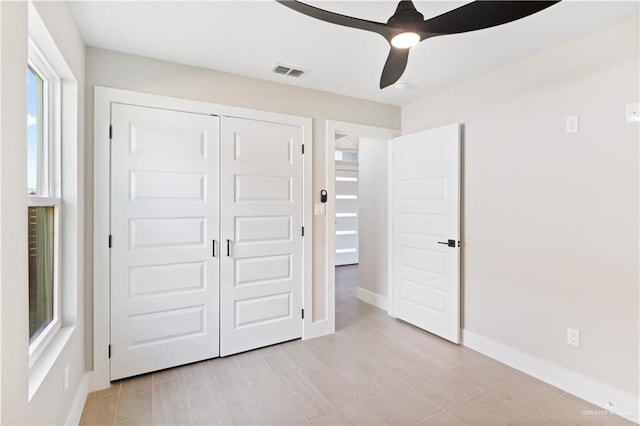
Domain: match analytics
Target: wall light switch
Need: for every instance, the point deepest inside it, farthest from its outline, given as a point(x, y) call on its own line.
point(573, 124)
point(320, 209)
point(633, 113)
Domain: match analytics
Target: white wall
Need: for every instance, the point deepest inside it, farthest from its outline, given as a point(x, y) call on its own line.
point(373, 200)
point(551, 219)
point(130, 72)
point(50, 404)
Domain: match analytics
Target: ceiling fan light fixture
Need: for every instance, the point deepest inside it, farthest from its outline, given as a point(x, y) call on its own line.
point(405, 40)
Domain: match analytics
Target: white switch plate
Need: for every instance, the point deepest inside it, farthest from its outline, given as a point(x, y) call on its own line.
point(633, 113)
point(320, 209)
point(573, 337)
point(573, 124)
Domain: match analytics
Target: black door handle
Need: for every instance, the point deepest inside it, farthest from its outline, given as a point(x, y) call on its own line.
point(228, 242)
point(213, 250)
point(449, 243)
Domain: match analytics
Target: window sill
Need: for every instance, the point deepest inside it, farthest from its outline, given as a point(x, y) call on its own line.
point(41, 368)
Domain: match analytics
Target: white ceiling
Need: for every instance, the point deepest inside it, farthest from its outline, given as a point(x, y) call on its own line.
point(250, 37)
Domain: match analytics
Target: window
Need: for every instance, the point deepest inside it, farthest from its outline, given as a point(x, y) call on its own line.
point(43, 192)
point(55, 205)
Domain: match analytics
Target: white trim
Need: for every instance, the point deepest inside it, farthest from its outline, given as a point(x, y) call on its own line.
point(320, 328)
point(75, 411)
point(373, 298)
point(307, 250)
point(390, 227)
point(65, 189)
point(103, 98)
point(624, 404)
point(40, 369)
point(343, 128)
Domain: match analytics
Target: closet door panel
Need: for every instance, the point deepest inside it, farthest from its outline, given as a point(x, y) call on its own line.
point(261, 231)
point(164, 219)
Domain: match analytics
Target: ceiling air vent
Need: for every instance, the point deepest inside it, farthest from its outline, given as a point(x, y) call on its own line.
point(289, 71)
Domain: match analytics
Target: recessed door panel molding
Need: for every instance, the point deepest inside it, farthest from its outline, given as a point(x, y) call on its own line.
point(261, 230)
point(263, 269)
point(435, 153)
point(153, 280)
point(261, 226)
point(419, 189)
point(429, 260)
point(166, 325)
point(167, 232)
point(152, 138)
point(425, 224)
point(263, 310)
point(426, 230)
point(274, 151)
point(152, 185)
point(262, 188)
point(164, 219)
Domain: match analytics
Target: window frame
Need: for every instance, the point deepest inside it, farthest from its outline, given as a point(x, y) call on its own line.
point(49, 184)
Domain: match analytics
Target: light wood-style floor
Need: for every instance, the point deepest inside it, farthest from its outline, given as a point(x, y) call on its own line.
point(374, 370)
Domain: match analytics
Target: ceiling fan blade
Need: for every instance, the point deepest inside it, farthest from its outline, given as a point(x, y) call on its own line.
point(336, 18)
point(394, 67)
point(482, 14)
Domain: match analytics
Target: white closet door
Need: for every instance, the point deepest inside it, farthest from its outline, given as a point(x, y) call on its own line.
point(261, 196)
point(426, 230)
point(347, 212)
point(164, 219)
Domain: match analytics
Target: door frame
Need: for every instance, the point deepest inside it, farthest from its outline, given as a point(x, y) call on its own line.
point(103, 98)
point(360, 130)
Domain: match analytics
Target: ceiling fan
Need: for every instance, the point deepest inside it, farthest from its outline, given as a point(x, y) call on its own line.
point(407, 26)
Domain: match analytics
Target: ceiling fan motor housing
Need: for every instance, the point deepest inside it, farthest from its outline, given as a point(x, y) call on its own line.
point(406, 18)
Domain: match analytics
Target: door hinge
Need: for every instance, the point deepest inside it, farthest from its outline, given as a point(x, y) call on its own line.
point(303, 314)
point(109, 240)
point(303, 231)
point(302, 148)
point(110, 131)
point(109, 351)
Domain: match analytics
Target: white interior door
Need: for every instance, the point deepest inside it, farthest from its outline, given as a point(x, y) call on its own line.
point(426, 219)
point(164, 221)
point(346, 214)
point(261, 230)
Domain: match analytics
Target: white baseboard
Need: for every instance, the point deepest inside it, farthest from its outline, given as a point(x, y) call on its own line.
point(318, 329)
point(614, 400)
point(373, 299)
point(75, 411)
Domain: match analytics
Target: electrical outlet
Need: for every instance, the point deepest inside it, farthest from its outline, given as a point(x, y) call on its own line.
point(66, 377)
point(633, 113)
point(573, 337)
point(572, 124)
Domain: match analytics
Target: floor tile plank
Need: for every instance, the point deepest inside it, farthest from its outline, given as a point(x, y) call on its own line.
point(299, 389)
point(278, 407)
point(241, 403)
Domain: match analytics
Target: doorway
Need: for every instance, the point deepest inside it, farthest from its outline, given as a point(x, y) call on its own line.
point(364, 278)
point(409, 220)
